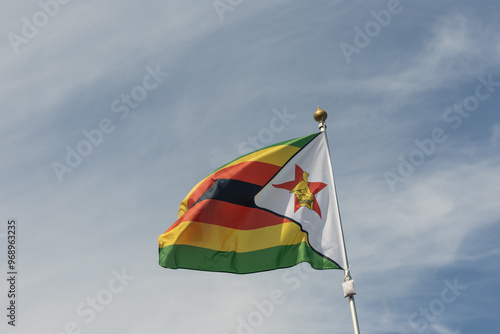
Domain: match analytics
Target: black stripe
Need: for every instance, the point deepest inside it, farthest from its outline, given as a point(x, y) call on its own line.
point(232, 191)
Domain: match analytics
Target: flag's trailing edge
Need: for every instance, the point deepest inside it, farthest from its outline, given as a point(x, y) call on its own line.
point(272, 208)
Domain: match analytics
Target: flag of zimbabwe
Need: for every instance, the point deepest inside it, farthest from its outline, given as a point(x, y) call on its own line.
point(272, 208)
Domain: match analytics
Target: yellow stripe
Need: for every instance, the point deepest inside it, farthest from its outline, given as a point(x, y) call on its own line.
point(275, 155)
point(228, 239)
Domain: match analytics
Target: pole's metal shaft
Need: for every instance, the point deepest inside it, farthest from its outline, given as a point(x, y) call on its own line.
point(320, 116)
point(354, 315)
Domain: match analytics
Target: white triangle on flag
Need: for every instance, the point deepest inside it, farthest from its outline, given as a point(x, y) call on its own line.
point(325, 231)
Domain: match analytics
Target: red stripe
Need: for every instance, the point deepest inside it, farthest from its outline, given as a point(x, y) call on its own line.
point(229, 215)
point(250, 171)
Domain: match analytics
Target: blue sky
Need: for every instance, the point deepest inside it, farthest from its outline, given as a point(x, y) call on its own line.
point(169, 91)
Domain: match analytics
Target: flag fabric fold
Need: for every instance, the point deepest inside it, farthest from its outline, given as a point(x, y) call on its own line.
point(272, 208)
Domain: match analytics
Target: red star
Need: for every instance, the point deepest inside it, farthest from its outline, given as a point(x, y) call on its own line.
point(314, 187)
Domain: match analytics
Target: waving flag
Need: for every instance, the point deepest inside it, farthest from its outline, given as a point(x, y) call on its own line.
point(272, 208)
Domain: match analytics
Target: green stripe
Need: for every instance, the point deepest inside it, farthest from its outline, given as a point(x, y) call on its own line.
point(190, 257)
point(297, 142)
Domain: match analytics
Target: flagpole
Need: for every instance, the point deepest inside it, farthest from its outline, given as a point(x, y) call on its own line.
point(320, 116)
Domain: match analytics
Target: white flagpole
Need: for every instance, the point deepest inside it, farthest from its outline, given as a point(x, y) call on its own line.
point(320, 116)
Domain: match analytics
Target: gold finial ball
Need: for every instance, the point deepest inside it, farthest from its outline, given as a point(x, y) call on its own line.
point(320, 115)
